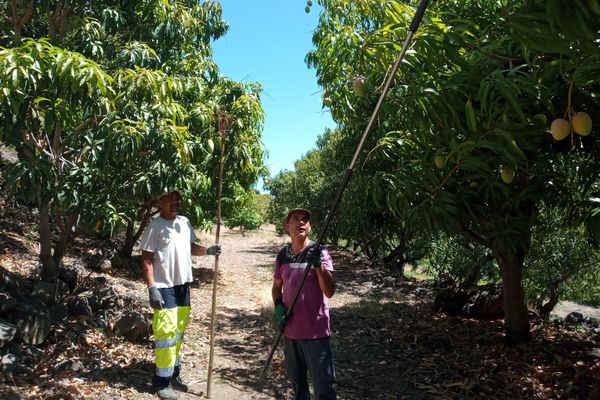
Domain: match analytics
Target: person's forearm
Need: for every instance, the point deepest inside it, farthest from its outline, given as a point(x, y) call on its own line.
point(326, 282)
point(198, 250)
point(147, 268)
point(148, 272)
point(276, 293)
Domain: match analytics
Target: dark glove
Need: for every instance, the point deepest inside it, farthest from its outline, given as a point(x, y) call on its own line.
point(156, 300)
point(314, 257)
point(213, 250)
point(280, 313)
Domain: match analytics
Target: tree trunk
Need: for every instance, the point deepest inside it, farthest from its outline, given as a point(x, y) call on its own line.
point(547, 308)
point(127, 247)
point(131, 235)
point(66, 237)
point(395, 266)
point(16, 20)
point(474, 275)
point(333, 238)
point(395, 261)
point(367, 250)
point(516, 319)
point(398, 257)
point(49, 265)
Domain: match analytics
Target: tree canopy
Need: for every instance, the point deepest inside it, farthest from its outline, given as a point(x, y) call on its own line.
point(462, 144)
point(108, 103)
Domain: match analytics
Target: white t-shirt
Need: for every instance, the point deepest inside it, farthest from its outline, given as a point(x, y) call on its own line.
point(171, 242)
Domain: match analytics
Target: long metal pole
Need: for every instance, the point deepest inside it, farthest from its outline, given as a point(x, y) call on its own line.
point(223, 134)
point(414, 25)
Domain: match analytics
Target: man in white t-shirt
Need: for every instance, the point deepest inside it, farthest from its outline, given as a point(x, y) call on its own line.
point(167, 249)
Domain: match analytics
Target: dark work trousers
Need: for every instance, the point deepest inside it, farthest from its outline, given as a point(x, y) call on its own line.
point(314, 356)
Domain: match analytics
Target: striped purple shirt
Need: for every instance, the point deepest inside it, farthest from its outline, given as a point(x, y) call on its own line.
point(310, 316)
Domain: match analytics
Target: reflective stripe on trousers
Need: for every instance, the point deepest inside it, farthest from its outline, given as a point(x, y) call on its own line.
point(168, 325)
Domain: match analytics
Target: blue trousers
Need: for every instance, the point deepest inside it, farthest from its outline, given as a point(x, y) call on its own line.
point(312, 356)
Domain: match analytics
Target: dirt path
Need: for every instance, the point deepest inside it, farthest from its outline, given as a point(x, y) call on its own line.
point(243, 319)
point(563, 308)
point(244, 332)
point(387, 342)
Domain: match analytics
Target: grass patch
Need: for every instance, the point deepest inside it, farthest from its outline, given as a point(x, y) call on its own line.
point(414, 272)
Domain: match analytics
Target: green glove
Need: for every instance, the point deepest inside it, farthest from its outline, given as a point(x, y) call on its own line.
point(314, 257)
point(280, 313)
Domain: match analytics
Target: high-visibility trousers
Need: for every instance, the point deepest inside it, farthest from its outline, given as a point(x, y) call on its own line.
point(169, 325)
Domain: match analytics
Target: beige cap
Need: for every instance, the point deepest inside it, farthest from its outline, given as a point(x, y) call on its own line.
point(304, 210)
point(167, 191)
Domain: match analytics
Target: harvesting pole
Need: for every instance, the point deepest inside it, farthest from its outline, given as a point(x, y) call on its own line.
point(224, 125)
point(414, 25)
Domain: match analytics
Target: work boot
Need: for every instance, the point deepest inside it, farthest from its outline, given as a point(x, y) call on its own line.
point(167, 393)
point(178, 384)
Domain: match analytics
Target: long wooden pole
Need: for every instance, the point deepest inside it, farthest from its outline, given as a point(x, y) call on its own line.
point(412, 29)
point(223, 130)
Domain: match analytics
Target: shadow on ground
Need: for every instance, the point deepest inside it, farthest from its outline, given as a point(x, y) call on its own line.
point(387, 344)
point(390, 345)
point(245, 339)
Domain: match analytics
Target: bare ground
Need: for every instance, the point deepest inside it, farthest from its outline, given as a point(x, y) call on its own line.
point(387, 342)
point(564, 308)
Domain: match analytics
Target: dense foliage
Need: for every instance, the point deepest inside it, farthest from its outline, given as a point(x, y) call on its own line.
point(107, 103)
point(461, 145)
point(245, 211)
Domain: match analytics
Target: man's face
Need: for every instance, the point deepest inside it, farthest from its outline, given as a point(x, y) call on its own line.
point(169, 204)
point(298, 225)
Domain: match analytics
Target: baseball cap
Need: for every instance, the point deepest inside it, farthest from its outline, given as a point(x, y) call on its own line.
point(303, 210)
point(167, 191)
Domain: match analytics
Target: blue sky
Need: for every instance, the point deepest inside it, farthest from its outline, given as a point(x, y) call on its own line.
point(267, 42)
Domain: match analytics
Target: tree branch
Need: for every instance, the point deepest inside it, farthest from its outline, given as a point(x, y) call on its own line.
point(495, 56)
point(147, 213)
point(16, 22)
point(472, 235)
point(53, 18)
point(56, 136)
point(64, 22)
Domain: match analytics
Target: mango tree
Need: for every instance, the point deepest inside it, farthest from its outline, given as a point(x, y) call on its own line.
point(160, 56)
point(204, 97)
point(51, 101)
point(112, 102)
point(313, 184)
point(462, 141)
point(242, 211)
point(565, 252)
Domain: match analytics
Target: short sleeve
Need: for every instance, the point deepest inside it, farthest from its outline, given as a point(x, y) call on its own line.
point(193, 237)
point(148, 242)
point(327, 262)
